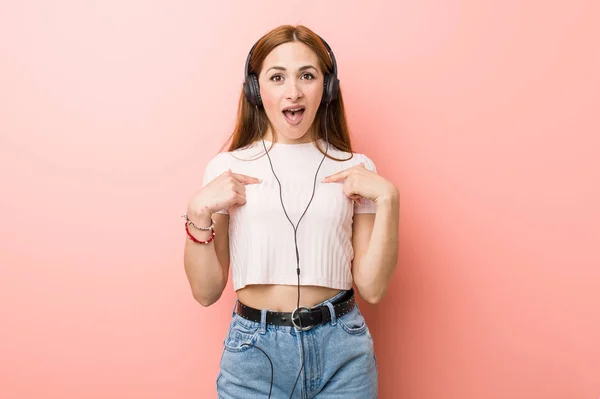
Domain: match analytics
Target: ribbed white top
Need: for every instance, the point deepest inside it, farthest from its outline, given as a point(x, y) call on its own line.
point(261, 238)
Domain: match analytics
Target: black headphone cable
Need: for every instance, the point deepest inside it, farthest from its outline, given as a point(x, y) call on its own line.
point(296, 243)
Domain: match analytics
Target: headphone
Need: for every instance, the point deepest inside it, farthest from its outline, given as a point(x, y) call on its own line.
point(331, 85)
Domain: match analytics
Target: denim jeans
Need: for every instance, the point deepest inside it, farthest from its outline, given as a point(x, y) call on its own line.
point(339, 359)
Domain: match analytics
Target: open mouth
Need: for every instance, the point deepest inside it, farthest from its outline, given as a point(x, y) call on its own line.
point(293, 116)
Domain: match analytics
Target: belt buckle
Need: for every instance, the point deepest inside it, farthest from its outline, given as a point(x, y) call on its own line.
point(297, 310)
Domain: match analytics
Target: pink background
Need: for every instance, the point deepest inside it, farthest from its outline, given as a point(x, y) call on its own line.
point(484, 113)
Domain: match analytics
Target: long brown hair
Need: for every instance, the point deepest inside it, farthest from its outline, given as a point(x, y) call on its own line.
point(249, 117)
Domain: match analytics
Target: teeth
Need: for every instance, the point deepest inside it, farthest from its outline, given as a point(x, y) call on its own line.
point(295, 109)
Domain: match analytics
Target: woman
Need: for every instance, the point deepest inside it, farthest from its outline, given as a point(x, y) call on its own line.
point(300, 218)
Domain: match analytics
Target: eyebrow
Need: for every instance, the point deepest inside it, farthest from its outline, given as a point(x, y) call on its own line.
point(303, 68)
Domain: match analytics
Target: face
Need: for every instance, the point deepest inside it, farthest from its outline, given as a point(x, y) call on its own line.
point(291, 87)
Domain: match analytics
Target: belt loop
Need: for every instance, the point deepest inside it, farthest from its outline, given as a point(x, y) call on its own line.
point(263, 321)
point(234, 306)
point(332, 312)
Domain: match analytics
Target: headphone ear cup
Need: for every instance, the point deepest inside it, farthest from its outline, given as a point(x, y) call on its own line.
point(256, 89)
point(247, 92)
point(252, 90)
point(331, 87)
point(326, 94)
point(334, 88)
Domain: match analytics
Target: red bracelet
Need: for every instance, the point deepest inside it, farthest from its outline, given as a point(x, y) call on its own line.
point(195, 239)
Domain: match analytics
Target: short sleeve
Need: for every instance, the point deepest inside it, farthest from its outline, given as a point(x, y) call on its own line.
point(367, 206)
point(215, 167)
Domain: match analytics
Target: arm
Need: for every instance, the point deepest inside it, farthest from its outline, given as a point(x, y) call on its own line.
point(375, 242)
point(207, 265)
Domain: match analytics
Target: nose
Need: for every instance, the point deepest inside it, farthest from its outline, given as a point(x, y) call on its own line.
point(293, 91)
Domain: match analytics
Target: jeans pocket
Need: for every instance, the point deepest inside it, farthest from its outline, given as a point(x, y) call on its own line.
point(353, 322)
point(241, 335)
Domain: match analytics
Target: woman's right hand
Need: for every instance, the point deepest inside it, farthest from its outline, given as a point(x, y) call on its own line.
point(223, 192)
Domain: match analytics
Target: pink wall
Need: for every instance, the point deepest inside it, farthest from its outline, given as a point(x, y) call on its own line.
point(484, 113)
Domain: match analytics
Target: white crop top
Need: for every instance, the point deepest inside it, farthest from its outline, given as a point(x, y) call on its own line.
point(261, 238)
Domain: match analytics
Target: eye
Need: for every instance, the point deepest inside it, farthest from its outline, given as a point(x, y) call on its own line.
point(308, 76)
point(276, 78)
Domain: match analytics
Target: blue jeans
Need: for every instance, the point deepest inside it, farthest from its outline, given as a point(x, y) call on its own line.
point(339, 360)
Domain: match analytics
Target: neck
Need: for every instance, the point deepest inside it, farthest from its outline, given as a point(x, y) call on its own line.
point(307, 138)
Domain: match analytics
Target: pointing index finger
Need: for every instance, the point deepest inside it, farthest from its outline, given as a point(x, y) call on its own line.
point(342, 174)
point(336, 176)
point(245, 179)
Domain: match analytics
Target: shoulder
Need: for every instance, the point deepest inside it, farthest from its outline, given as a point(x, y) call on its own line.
point(218, 161)
point(226, 157)
point(216, 165)
point(356, 158)
point(225, 160)
point(366, 161)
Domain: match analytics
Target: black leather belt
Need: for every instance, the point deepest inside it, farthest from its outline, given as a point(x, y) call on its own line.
point(302, 318)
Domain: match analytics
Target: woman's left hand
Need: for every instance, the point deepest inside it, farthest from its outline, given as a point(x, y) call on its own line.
point(360, 182)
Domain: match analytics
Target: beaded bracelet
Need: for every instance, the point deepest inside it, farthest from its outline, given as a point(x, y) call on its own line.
point(211, 227)
point(212, 236)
